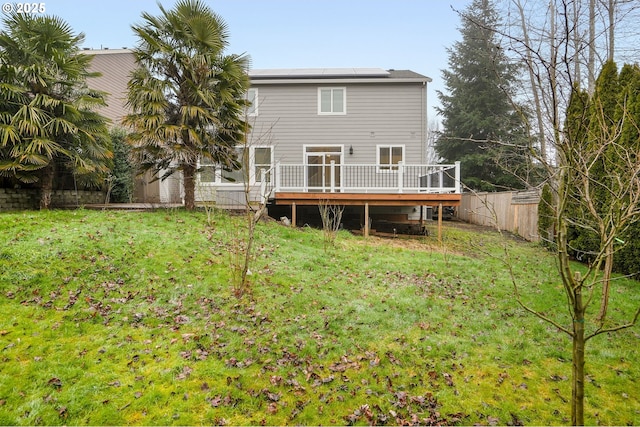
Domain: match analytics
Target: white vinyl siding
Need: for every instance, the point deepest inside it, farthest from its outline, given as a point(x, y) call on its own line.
point(332, 100)
point(390, 114)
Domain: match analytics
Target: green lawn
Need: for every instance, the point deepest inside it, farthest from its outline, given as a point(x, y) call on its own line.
point(110, 318)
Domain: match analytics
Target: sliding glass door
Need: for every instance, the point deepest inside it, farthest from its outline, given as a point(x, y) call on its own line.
point(323, 168)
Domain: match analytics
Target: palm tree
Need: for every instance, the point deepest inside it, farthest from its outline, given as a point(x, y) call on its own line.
point(187, 97)
point(48, 119)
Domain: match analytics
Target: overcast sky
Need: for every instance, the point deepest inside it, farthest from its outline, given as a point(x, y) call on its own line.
point(399, 34)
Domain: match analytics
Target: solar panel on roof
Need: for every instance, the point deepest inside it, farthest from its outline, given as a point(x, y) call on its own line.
point(318, 72)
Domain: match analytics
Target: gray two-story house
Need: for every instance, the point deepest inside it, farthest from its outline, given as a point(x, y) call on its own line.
point(350, 136)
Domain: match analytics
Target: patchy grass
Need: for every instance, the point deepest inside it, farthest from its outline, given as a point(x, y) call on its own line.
point(111, 318)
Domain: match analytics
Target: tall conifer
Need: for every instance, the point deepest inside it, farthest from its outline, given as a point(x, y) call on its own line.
point(482, 129)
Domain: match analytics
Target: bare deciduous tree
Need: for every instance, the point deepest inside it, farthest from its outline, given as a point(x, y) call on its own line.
point(331, 216)
point(593, 172)
point(257, 189)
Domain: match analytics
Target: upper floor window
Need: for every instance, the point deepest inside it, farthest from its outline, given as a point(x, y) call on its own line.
point(252, 97)
point(332, 100)
point(389, 156)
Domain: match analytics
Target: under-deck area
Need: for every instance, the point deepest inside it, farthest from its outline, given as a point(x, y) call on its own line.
point(367, 200)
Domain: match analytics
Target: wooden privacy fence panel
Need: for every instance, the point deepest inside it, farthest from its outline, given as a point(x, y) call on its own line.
point(513, 211)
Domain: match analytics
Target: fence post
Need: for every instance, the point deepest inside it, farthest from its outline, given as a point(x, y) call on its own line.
point(305, 177)
point(458, 184)
point(277, 177)
point(400, 176)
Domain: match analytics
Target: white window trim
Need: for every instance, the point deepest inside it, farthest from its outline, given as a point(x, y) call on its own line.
point(304, 158)
point(305, 146)
point(344, 101)
point(255, 104)
point(216, 174)
point(389, 166)
point(252, 164)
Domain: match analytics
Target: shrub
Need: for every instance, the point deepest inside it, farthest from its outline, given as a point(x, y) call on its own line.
point(123, 172)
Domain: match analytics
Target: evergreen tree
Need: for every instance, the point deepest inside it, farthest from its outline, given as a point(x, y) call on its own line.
point(481, 127)
point(627, 260)
point(122, 177)
point(611, 114)
point(49, 122)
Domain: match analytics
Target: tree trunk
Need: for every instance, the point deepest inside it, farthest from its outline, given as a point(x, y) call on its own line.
point(606, 279)
point(189, 174)
point(46, 187)
point(534, 85)
point(251, 220)
point(577, 392)
point(612, 5)
point(591, 64)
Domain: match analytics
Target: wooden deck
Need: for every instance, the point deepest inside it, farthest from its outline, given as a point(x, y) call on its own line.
point(370, 199)
point(295, 199)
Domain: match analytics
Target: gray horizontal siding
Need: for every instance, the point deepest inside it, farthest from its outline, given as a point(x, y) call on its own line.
point(288, 117)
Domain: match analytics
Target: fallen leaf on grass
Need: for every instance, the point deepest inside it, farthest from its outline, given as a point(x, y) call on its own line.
point(215, 401)
point(186, 371)
point(55, 382)
point(448, 379)
point(493, 421)
point(273, 397)
point(392, 358)
point(275, 380)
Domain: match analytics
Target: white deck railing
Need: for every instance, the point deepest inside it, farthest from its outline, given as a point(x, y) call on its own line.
point(350, 178)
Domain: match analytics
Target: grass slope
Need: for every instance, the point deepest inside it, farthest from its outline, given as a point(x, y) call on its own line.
point(111, 318)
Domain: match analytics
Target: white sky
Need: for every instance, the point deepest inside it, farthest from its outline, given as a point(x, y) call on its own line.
point(400, 34)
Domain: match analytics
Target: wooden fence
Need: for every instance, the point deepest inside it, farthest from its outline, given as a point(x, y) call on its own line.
point(513, 211)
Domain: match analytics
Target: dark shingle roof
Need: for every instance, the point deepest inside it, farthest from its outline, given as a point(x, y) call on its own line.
point(405, 74)
point(314, 74)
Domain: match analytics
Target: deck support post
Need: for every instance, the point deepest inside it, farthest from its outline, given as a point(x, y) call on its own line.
point(365, 233)
point(293, 214)
point(440, 223)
